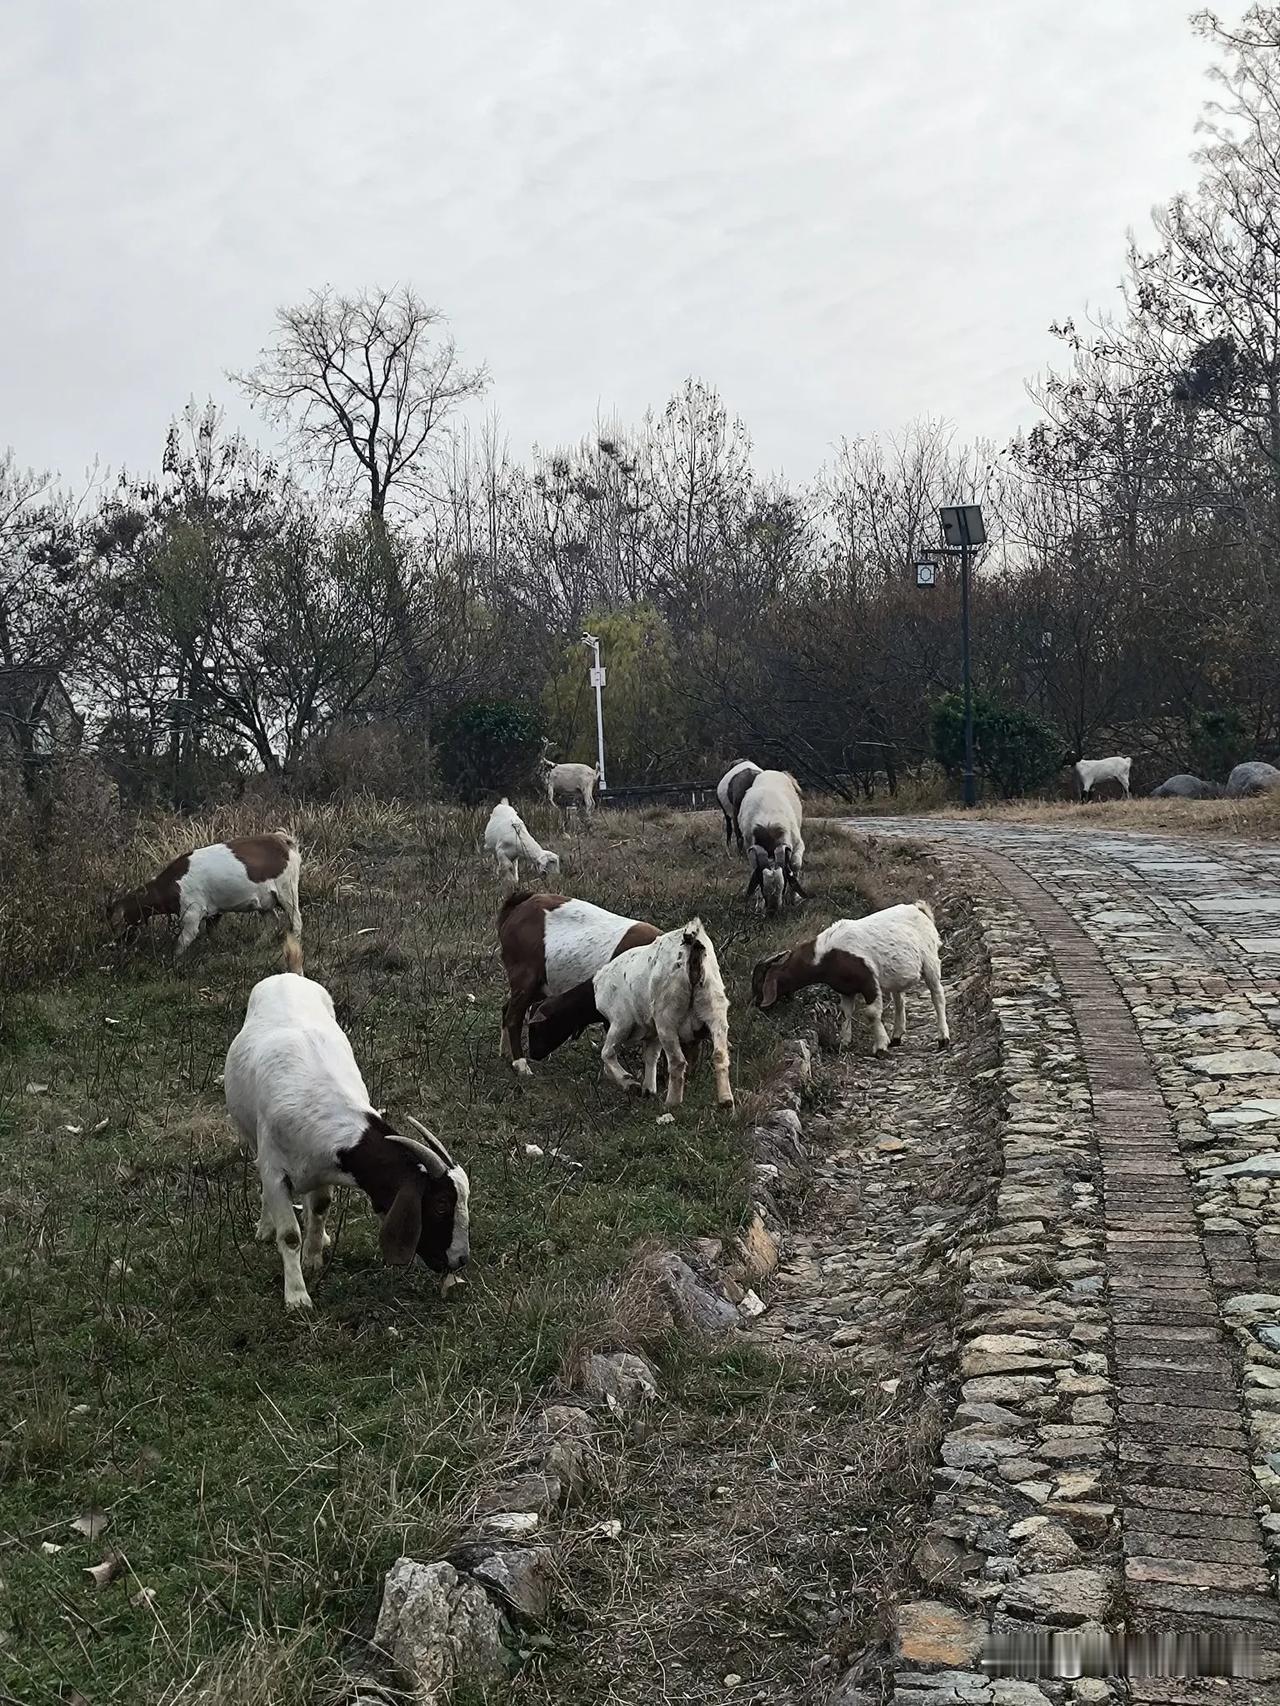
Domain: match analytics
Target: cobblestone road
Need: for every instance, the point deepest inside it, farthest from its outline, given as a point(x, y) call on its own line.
point(1168, 956)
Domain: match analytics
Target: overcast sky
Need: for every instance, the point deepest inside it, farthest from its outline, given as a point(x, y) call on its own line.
point(842, 213)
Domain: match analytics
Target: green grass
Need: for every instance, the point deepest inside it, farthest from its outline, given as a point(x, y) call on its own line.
point(259, 1472)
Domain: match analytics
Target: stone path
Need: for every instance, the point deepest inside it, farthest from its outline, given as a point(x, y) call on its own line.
point(1168, 952)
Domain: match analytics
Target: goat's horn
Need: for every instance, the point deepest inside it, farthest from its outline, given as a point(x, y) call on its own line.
point(431, 1140)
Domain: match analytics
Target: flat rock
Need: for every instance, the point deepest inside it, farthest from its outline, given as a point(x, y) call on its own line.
point(1236, 1063)
point(1263, 1166)
point(931, 1633)
point(1061, 1596)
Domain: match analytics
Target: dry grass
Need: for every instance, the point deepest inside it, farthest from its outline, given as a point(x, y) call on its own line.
point(1255, 819)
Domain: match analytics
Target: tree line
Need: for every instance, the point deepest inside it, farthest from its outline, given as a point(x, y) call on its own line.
point(396, 601)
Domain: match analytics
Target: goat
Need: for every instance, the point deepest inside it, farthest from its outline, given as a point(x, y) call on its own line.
point(770, 817)
point(731, 791)
point(507, 838)
point(1091, 771)
point(887, 953)
point(570, 785)
point(551, 945)
point(669, 994)
point(295, 1093)
point(257, 873)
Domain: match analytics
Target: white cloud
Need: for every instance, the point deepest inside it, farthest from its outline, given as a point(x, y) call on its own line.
point(841, 215)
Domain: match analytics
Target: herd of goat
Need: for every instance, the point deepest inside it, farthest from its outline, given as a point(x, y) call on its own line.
point(295, 1091)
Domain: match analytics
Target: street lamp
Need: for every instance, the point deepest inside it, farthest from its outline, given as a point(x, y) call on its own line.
point(597, 681)
point(963, 531)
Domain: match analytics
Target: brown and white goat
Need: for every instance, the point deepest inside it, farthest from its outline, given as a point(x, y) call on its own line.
point(297, 1097)
point(256, 873)
point(552, 945)
point(864, 959)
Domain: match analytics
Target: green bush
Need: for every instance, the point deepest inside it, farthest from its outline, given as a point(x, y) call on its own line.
point(1013, 752)
point(487, 746)
point(1217, 742)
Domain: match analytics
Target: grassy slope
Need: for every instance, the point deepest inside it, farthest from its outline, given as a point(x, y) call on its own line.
point(258, 1470)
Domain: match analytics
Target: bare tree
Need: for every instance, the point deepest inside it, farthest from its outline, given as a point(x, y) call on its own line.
point(368, 379)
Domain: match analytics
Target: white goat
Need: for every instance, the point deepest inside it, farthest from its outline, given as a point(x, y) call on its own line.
point(770, 819)
point(508, 839)
point(669, 994)
point(887, 953)
point(296, 1094)
point(257, 873)
point(1091, 771)
point(731, 790)
point(570, 785)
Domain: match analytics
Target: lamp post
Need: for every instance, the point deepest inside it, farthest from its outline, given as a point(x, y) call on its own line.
point(597, 681)
point(963, 531)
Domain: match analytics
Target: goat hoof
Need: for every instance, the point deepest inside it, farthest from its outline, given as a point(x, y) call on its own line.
point(727, 1103)
point(944, 1042)
point(882, 1054)
point(522, 1068)
point(295, 1303)
point(895, 1042)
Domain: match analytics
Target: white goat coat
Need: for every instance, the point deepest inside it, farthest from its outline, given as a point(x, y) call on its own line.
point(899, 943)
point(293, 1086)
point(215, 882)
point(902, 946)
point(573, 784)
point(577, 939)
point(295, 1092)
point(1091, 771)
point(507, 837)
point(647, 993)
point(772, 802)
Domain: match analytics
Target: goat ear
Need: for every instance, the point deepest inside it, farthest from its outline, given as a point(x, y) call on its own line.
point(769, 988)
point(402, 1224)
point(757, 874)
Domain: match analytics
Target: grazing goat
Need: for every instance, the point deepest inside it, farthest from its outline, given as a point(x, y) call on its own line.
point(258, 873)
point(1091, 771)
point(669, 995)
point(1255, 777)
point(1184, 787)
point(570, 785)
point(770, 817)
point(731, 790)
point(886, 953)
point(551, 945)
point(295, 1092)
point(507, 838)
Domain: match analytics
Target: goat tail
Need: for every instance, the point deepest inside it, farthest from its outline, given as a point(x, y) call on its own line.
point(695, 946)
point(292, 954)
point(923, 906)
point(287, 836)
